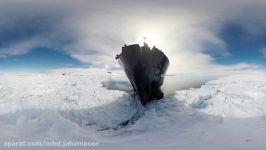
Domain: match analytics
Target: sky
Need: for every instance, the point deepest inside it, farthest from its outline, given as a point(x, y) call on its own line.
point(197, 36)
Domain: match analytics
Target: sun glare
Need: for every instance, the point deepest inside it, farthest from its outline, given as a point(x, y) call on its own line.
point(149, 39)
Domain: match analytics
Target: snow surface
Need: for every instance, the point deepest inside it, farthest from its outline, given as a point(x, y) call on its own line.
point(224, 113)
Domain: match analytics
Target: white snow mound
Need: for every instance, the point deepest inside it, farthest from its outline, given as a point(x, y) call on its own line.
point(238, 96)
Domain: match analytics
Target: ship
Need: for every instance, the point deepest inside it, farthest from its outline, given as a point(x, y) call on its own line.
point(145, 68)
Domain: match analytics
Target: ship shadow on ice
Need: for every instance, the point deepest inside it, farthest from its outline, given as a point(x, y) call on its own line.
point(110, 116)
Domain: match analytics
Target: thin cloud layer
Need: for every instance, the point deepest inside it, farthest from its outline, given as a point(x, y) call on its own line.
point(94, 31)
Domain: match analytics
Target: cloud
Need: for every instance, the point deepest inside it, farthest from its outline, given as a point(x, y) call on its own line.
point(94, 31)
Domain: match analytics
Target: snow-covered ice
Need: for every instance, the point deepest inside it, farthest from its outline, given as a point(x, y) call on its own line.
point(224, 113)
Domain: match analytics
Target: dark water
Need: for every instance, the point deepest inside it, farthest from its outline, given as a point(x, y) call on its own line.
point(184, 81)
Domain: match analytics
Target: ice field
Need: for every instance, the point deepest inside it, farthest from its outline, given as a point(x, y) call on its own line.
point(198, 111)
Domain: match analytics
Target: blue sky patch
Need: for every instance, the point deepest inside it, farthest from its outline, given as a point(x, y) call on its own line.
point(39, 59)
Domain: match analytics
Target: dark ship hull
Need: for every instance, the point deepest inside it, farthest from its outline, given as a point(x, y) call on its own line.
point(145, 69)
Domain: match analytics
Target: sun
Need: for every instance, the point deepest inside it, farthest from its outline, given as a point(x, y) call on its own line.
point(149, 39)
